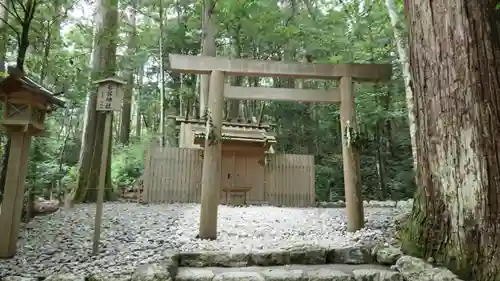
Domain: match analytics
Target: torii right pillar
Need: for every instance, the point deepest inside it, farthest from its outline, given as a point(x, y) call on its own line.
point(350, 155)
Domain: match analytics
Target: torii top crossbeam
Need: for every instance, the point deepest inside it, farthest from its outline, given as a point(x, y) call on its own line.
point(262, 68)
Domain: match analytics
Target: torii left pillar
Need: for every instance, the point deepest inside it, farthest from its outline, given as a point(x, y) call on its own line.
point(13, 198)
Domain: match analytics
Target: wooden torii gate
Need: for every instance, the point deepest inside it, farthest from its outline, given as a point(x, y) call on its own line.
point(219, 67)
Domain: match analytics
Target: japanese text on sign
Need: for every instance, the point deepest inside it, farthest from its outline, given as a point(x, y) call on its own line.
point(109, 97)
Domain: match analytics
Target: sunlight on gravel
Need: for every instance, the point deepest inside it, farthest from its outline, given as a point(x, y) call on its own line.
point(133, 234)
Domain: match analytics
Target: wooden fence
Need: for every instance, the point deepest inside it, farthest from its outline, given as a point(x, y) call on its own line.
point(289, 180)
point(174, 175)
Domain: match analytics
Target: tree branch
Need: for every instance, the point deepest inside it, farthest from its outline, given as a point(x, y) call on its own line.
point(293, 5)
point(54, 20)
point(15, 14)
point(32, 10)
point(310, 9)
point(11, 27)
point(25, 10)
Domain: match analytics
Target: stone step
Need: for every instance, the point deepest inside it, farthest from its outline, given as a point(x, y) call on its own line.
point(294, 255)
point(325, 272)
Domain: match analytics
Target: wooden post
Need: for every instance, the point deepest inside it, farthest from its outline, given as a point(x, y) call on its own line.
point(350, 155)
point(211, 176)
point(109, 99)
point(102, 181)
point(13, 199)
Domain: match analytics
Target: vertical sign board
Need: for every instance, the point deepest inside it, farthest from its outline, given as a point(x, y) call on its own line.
point(109, 95)
point(109, 99)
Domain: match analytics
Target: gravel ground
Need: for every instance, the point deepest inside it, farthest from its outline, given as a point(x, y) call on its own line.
point(133, 234)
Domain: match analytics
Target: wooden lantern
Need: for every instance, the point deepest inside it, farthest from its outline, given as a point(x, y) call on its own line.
point(25, 103)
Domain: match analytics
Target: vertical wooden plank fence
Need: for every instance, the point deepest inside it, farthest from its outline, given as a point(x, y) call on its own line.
point(172, 174)
point(290, 180)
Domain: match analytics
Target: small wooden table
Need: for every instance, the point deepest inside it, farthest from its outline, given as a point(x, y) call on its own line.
point(238, 189)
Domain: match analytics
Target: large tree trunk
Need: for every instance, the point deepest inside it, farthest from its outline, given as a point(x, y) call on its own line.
point(3, 52)
point(163, 103)
point(23, 43)
point(103, 65)
point(131, 69)
point(138, 113)
point(290, 48)
point(402, 48)
point(208, 48)
point(234, 105)
point(52, 37)
point(4, 35)
point(454, 57)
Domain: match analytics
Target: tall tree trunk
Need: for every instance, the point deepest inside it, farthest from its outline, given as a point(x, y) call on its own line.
point(46, 56)
point(138, 115)
point(383, 194)
point(208, 48)
point(312, 122)
point(52, 37)
point(454, 58)
point(182, 96)
point(163, 104)
point(290, 49)
point(4, 35)
point(3, 52)
point(255, 82)
point(5, 162)
point(183, 100)
point(129, 89)
point(196, 103)
point(405, 68)
point(103, 65)
point(234, 105)
point(23, 43)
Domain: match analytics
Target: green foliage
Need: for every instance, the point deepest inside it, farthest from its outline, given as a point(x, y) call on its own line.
point(355, 138)
point(71, 177)
point(127, 164)
point(265, 29)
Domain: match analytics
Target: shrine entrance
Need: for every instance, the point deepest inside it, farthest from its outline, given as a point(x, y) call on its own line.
point(219, 67)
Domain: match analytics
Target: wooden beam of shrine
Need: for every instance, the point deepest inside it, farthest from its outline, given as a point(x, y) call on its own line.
point(282, 94)
point(242, 67)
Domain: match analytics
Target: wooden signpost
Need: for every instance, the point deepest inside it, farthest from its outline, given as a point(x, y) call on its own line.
point(109, 99)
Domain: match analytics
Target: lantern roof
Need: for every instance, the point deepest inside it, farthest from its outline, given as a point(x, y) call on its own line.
point(17, 81)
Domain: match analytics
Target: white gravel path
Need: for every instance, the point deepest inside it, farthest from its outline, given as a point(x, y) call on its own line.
point(133, 234)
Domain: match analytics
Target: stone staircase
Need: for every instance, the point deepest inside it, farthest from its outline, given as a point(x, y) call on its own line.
point(330, 272)
point(296, 264)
